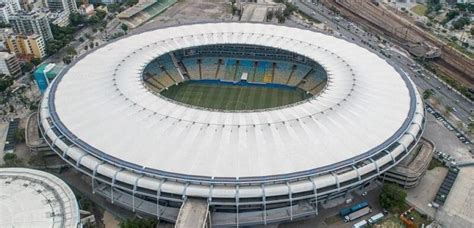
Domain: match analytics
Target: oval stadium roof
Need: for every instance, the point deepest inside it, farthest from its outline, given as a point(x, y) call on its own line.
point(101, 101)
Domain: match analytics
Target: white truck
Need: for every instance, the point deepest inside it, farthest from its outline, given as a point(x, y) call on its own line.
point(361, 224)
point(357, 214)
point(374, 219)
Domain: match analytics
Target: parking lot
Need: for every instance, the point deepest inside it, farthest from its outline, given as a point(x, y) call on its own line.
point(459, 134)
point(422, 195)
point(446, 140)
point(330, 217)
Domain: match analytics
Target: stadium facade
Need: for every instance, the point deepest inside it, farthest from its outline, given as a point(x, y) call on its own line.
point(106, 117)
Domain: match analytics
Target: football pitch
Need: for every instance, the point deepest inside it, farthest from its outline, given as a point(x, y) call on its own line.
point(233, 97)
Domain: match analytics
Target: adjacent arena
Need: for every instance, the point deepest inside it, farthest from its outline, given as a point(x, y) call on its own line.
point(33, 198)
point(264, 123)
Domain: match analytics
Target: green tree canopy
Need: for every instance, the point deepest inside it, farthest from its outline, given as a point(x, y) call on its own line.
point(138, 223)
point(124, 27)
point(5, 82)
point(392, 197)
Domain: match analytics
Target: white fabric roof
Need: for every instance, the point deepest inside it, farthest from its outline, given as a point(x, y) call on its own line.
point(102, 100)
point(32, 198)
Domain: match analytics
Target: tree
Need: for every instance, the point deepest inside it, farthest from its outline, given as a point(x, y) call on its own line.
point(11, 160)
point(3, 25)
point(114, 8)
point(5, 82)
point(62, 36)
point(27, 67)
point(101, 14)
point(234, 9)
point(53, 46)
point(67, 59)
point(36, 61)
point(392, 197)
point(124, 27)
point(449, 16)
point(270, 15)
point(76, 19)
point(71, 51)
point(465, 7)
point(461, 22)
point(20, 135)
point(427, 93)
point(280, 17)
point(138, 223)
point(433, 6)
point(448, 110)
point(131, 2)
point(94, 19)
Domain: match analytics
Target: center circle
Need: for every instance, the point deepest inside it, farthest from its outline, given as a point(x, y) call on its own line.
point(234, 77)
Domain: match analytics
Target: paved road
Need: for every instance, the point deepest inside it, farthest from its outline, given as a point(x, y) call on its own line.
point(464, 109)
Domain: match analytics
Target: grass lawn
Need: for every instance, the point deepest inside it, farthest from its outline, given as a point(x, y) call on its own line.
point(233, 97)
point(419, 9)
point(392, 222)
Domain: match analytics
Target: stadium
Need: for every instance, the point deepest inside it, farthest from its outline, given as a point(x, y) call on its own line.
point(260, 123)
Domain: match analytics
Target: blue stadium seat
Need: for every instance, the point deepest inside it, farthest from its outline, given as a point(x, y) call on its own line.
point(192, 67)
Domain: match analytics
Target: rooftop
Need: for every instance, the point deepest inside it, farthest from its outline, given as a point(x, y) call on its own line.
point(101, 101)
point(33, 198)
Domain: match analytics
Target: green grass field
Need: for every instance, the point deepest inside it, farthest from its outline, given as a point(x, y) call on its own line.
point(233, 97)
point(419, 9)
